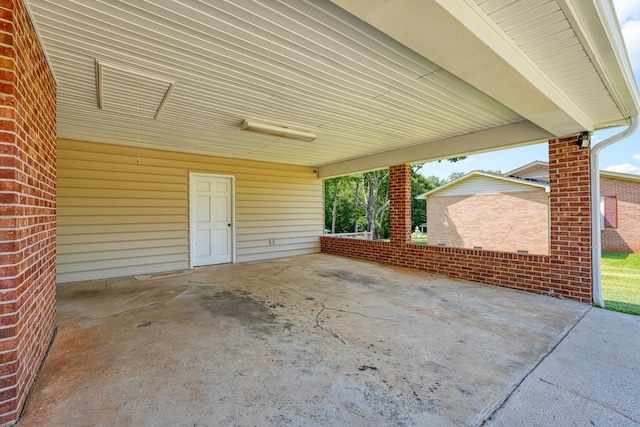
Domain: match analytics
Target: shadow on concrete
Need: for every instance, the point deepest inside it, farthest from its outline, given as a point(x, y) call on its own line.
point(313, 340)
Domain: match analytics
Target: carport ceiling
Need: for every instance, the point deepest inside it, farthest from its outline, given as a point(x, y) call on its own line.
point(378, 82)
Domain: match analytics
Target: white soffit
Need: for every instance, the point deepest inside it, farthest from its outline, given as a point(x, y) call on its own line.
point(488, 42)
point(541, 29)
point(307, 64)
point(131, 92)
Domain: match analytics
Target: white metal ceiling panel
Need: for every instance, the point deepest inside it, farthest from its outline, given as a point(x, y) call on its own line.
point(301, 63)
point(310, 64)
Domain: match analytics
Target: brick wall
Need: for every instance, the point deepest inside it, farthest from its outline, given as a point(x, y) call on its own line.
point(28, 207)
point(524, 272)
point(495, 221)
point(400, 207)
point(626, 237)
point(565, 272)
point(570, 219)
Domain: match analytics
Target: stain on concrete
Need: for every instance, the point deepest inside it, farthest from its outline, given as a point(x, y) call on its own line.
point(299, 341)
point(237, 305)
point(349, 277)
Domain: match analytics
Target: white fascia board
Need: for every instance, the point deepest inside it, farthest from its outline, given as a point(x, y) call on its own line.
point(523, 182)
point(619, 175)
point(460, 38)
point(452, 183)
point(518, 134)
point(596, 25)
point(536, 164)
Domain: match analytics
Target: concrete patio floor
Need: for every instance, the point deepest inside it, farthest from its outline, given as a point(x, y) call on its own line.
point(301, 341)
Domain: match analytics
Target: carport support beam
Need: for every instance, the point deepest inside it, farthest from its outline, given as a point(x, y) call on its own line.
point(400, 207)
point(570, 219)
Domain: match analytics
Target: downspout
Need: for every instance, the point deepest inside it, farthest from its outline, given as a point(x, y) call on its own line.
point(596, 238)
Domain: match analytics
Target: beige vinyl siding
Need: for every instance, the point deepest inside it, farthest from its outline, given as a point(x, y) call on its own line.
point(117, 217)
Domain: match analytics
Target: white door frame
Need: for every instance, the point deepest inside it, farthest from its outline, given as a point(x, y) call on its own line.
point(192, 201)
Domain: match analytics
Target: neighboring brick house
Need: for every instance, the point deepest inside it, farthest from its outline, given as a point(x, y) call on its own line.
point(493, 212)
point(620, 204)
point(513, 209)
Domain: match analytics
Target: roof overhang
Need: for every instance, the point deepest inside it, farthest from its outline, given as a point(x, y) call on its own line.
point(523, 182)
point(514, 135)
point(484, 56)
point(618, 175)
point(596, 25)
point(536, 164)
point(378, 82)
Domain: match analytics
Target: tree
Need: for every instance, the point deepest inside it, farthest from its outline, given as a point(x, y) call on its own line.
point(361, 201)
point(456, 175)
point(338, 193)
point(420, 185)
point(335, 207)
point(371, 194)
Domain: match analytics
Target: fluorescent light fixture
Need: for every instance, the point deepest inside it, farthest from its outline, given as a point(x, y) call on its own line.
point(277, 130)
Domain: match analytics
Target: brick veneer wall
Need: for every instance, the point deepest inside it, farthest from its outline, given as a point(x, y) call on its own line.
point(510, 221)
point(28, 209)
point(565, 272)
point(626, 237)
point(524, 272)
point(400, 206)
point(570, 219)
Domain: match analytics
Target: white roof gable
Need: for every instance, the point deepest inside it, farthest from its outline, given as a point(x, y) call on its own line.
point(483, 183)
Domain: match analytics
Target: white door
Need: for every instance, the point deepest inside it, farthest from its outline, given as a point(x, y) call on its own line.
point(211, 202)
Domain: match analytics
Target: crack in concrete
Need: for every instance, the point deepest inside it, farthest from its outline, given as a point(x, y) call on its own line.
point(136, 297)
point(295, 291)
point(186, 291)
point(127, 310)
point(360, 314)
point(335, 335)
point(577, 393)
point(324, 308)
point(306, 297)
point(281, 270)
point(96, 320)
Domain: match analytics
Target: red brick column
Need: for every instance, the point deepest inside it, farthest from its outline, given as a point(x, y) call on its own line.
point(400, 208)
point(570, 219)
point(27, 207)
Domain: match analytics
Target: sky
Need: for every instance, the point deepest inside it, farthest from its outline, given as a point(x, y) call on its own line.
point(623, 156)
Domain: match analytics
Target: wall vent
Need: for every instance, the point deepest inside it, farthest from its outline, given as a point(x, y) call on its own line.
point(133, 92)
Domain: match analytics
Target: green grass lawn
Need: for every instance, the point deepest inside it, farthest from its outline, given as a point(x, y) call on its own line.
point(621, 282)
point(418, 239)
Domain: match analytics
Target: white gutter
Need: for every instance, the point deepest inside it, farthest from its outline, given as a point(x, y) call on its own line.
point(596, 239)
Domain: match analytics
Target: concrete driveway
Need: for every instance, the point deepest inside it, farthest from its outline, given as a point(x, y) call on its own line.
point(303, 341)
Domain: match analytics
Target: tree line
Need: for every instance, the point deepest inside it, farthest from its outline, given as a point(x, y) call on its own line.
point(360, 202)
